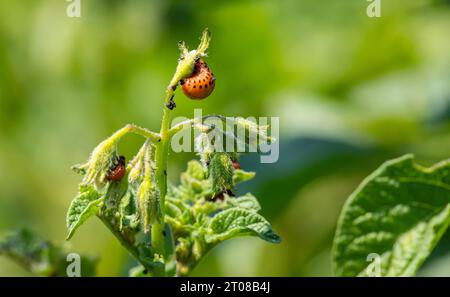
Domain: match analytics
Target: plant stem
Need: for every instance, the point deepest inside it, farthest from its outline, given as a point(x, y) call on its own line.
point(162, 148)
point(184, 69)
point(161, 155)
point(143, 132)
point(131, 128)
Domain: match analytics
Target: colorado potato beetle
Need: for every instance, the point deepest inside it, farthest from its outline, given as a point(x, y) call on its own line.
point(118, 170)
point(201, 83)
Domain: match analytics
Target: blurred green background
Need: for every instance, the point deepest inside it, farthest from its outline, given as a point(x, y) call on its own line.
point(351, 91)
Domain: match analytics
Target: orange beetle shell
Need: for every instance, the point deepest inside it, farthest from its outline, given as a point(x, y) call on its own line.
point(201, 83)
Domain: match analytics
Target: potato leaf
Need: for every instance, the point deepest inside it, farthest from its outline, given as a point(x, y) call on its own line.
point(248, 201)
point(241, 176)
point(221, 172)
point(40, 256)
point(235, 222)
point(399, 213)
point(83, 206)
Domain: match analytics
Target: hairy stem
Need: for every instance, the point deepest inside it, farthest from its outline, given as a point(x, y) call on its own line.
point(154, 137)
point(161, 155)
point(184, 69)
point(131, 128)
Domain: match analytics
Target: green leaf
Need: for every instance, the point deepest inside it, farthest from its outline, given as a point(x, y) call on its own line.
point(221, 172)
point(101, 159)
point(204, 148)
point(188, 59)
point(83, 206)
point(30, 251)
point(235, 222)
point(198, 222)
point(114, 193)
point(136, 167)
point(241, 176)
point(248, 201)
point(40, 256)
point(399, 212)
point(127, 212)
point(148, 195)
point(149, 204)
point(242, 133)
point(195, 170)
point(194, 179)
point(254, 134)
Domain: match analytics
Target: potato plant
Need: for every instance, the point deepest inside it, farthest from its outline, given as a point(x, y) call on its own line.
point(169, 229)
point(388, 226)
point(392, 222)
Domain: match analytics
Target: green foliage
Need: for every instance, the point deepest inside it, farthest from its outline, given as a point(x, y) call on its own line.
point(198, 218)
point(238, 222)
point(221, 172)
point(40, 256)
point(399, 212)
point(83, 206)
point(337, 82)
point(147, 193)
point(241, 176)
point(100, 161)
point(215, 131)
point(185, 221)
point(187, 58)
point(199, 222)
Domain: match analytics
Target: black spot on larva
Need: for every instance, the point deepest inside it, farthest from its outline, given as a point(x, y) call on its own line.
point(200, 86)
point(174, 87)
point(206, 86)
point(210, 83)
point(195, 87)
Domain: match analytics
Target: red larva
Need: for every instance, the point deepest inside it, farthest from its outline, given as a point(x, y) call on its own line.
point(236, 165)
point(118, 171)
point(201, 83)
